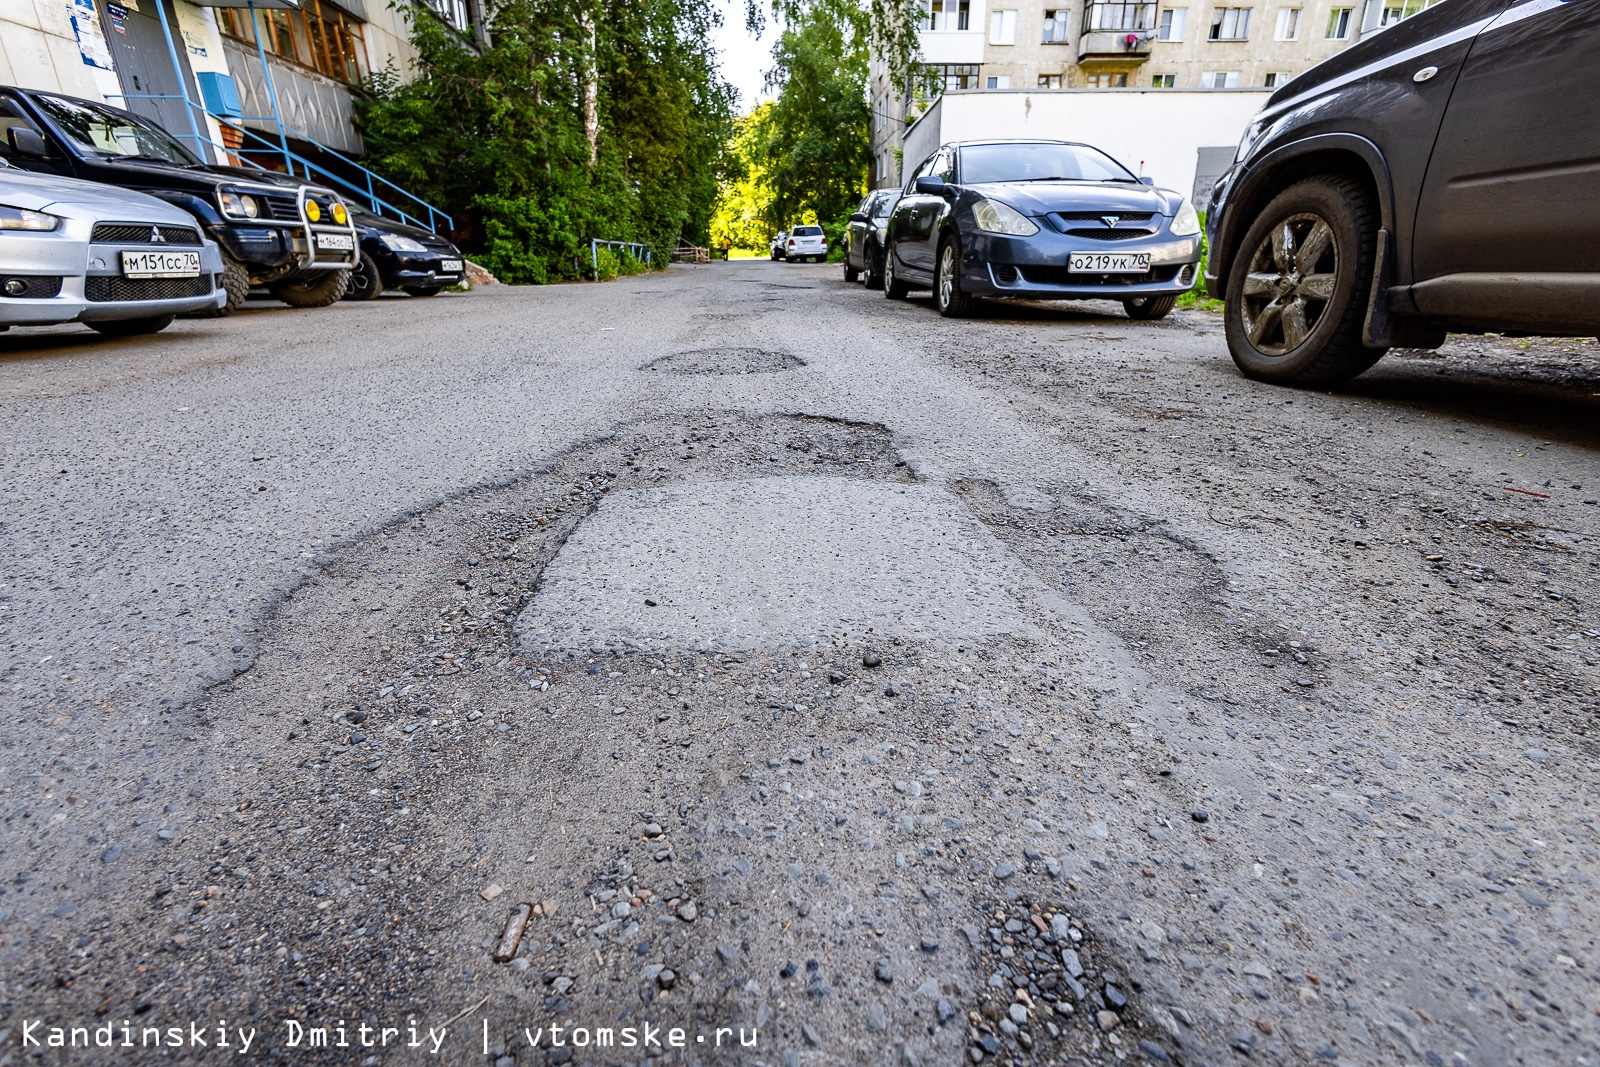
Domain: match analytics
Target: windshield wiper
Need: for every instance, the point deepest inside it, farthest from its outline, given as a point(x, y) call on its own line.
point(150, 159)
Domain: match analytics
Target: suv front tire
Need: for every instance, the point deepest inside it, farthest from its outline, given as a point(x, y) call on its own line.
point(1299, 283)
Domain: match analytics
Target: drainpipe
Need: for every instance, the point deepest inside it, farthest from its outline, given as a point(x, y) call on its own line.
point(272, 93)
point(183, 89)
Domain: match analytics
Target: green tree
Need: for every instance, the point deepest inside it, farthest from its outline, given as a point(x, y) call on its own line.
point(502, 135)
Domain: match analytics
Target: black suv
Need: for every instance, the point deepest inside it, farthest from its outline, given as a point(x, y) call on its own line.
point(295, 239)
point(1441, 175)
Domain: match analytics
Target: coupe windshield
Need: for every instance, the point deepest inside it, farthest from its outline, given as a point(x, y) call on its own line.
point(1038, 163)
point(104, 132)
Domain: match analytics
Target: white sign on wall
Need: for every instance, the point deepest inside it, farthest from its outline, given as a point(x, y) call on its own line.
point(91, 37)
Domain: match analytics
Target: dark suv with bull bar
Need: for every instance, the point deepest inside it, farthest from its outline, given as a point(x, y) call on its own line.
point(294, 239)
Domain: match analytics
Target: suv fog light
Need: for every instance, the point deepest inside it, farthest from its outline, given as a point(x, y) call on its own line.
point(313, 210)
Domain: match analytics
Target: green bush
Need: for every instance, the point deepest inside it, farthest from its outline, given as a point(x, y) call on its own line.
point(1197, 297)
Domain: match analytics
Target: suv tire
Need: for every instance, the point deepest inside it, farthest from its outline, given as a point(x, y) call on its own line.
point(893, 288)
point(132, 327)
point(1298, 286)
point(236, 281)
point(316, 291)
point(1149, 307)
point(948, 296)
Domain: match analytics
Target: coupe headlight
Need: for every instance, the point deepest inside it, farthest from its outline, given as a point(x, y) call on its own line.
point(238, 205)
point(394, 242)
point(20, 218)
point(1186, 223)
point(995, 217)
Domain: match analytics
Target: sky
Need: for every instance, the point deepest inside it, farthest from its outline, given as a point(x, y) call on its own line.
point(745, 59)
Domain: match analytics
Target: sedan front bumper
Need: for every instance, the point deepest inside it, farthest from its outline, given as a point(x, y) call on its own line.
point(1036, 267)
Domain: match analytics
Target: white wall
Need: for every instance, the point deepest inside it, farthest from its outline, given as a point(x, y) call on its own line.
point(1152, 131)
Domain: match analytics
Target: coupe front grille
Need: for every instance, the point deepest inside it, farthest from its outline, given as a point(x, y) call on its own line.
point(138, 233)
point(33, 288)
point(109, 287)
point(279, 207)
point(1096, 216)
point(1103, 234)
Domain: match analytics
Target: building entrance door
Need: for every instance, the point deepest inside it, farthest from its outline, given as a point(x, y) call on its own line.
point(144, 66)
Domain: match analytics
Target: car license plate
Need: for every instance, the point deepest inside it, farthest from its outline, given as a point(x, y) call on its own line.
point(450, 266)
point(161, 264)
point(335, 242)
point(1109, 263)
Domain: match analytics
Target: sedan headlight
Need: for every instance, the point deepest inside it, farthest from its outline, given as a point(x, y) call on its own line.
point(238, 205)
point(994, 217)
point(1186, 223)
point(394, 242)
point(20, 218)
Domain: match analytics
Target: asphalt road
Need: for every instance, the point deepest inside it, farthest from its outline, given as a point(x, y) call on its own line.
point(732, 649)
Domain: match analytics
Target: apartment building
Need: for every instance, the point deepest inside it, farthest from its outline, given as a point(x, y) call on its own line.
point(1064, 45)
point(293, 66)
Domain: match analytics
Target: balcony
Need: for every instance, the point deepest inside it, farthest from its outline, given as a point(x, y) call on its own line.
point(1117, 30)
point(1103, 45)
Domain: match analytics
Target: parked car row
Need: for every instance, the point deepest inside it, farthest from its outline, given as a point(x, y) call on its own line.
point(1439, 176)
point(106, 219)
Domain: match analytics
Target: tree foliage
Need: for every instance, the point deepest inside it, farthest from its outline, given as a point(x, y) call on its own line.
point(496, 133)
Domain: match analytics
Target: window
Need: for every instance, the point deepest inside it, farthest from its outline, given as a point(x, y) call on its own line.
point(1163, 81)
point(1108, 81)
point(1172, 20)
point(1003, 27)
point(319, 36)
point(452, 11)
point(1230, 24)
point(1050, 81)
point(952, 76)
point(1288, 25)
point(1220, 79)
point(1055, 26)
point(1276, 78)
point(947, 15)
point(1120, 16)
point(807, 231)
point(944, 166)
point(97, 129)
point(1339, 23)
point(997, 81)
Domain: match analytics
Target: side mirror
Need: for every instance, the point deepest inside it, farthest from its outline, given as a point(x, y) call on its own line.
point(26, 142)
point(930, 186)
point(858, 216)
point(1147, 180)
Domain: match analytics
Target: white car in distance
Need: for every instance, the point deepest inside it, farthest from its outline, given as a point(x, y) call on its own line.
point(806, 242)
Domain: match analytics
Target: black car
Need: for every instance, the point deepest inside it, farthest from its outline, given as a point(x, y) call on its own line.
point(863, 237)
point(397, 256)
point(1045, 220)
point(1441, 175)
point(293, 238)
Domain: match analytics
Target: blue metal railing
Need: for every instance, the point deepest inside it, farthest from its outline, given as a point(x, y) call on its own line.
point(313, 171)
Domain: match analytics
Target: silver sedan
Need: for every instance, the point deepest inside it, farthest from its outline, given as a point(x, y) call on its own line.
point(115, 260)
